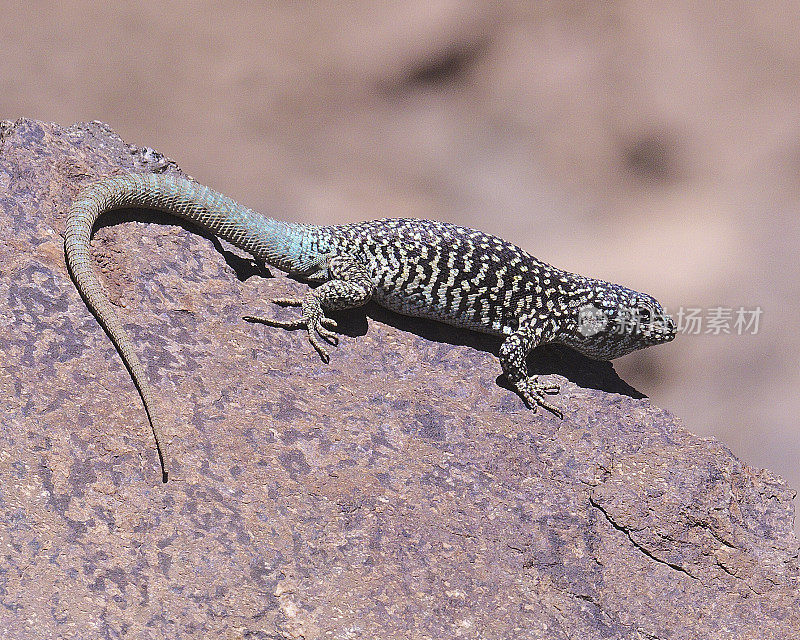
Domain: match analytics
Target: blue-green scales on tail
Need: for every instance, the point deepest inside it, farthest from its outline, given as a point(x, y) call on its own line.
point(423, 268)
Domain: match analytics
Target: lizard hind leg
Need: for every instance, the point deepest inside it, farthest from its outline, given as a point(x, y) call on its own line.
point(349, 287)
point(313, 319)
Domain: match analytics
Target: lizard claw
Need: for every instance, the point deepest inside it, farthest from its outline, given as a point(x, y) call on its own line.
point(313, 319)
point(533, 394)
point(317, 325)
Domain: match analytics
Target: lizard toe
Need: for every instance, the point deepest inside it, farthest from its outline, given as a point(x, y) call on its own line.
point(327, 335)
point(533, 394)
point(320, 349)
point(288, 302)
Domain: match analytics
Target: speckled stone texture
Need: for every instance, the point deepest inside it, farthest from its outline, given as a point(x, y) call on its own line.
point(399, 492)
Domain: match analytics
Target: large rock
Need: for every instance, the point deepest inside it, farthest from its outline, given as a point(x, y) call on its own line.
point(399, 492)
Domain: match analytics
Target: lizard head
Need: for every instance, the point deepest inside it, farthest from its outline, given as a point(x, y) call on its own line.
point(612, 321)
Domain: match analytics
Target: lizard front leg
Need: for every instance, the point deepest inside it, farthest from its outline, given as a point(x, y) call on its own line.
point(513, 358)
point(349, 287)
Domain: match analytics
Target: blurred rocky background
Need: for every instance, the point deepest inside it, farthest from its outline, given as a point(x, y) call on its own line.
point(655, 145)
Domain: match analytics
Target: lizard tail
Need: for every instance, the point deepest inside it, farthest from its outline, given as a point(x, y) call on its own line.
point(281, 244)
point(278, 243)
point(76, 243)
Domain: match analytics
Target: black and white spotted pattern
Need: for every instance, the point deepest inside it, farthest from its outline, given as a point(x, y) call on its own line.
point(477, 281)
point(460, 276)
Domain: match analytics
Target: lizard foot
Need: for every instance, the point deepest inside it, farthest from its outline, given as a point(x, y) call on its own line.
point(313, 319)
point(533, 393)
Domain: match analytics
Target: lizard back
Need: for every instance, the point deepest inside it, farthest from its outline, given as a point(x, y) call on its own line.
point(460, 276)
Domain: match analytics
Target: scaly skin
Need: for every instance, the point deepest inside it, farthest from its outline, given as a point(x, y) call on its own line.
point(463, 277)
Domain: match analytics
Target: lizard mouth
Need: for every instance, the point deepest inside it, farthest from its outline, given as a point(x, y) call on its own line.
point(659, 332)
point(651, 323)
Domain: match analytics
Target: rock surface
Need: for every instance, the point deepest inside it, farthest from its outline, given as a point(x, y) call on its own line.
point(399, 492)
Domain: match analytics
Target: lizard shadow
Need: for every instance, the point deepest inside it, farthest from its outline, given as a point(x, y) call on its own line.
point(243, 267)
point(547, 359)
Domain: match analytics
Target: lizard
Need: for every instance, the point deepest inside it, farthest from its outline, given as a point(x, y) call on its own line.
point(435, 270)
